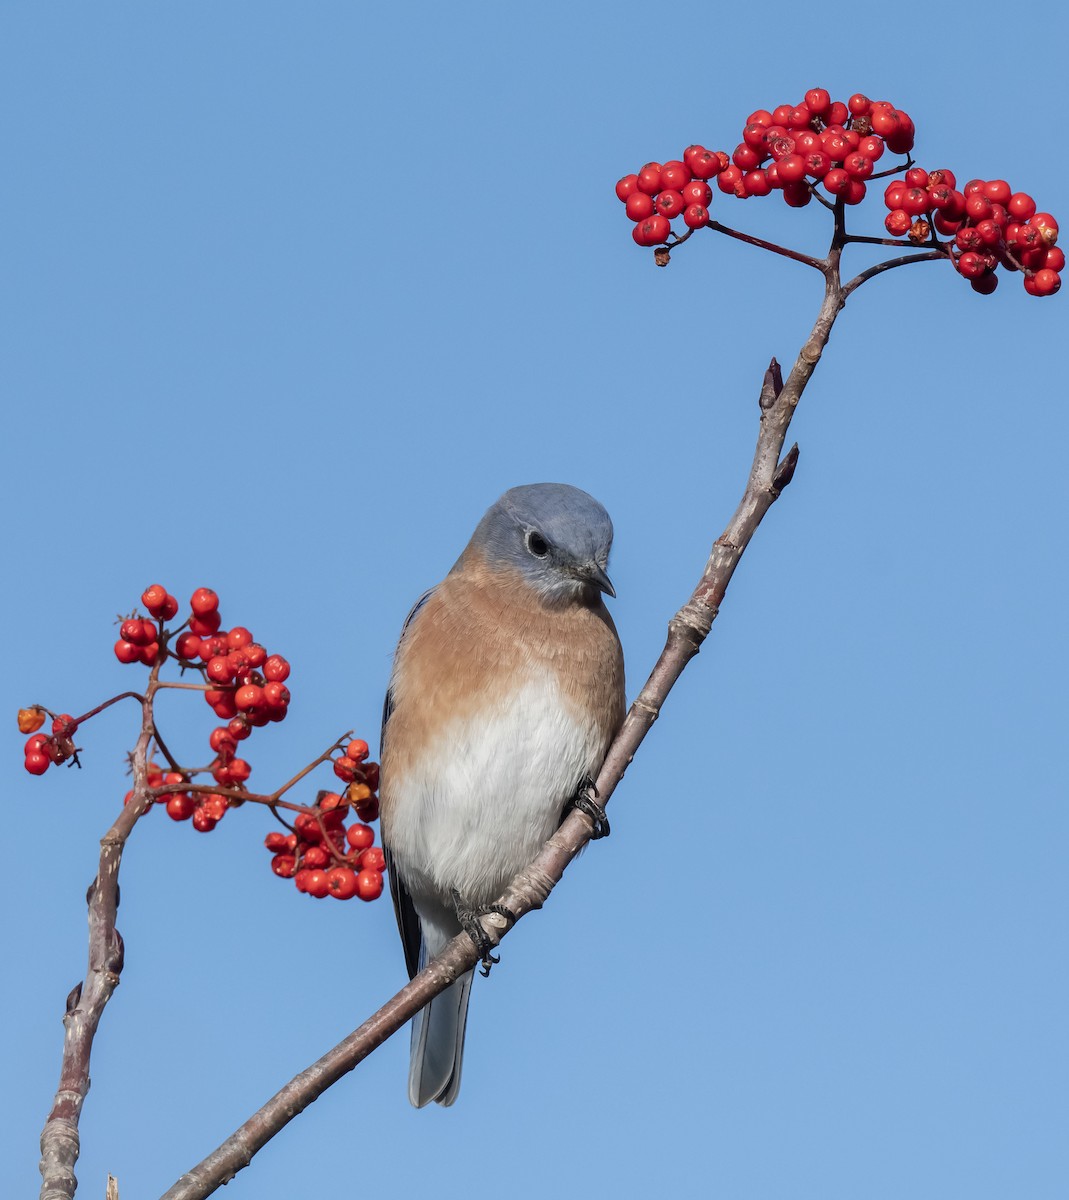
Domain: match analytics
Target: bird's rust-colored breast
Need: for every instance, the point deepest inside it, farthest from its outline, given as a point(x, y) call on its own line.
point(482, 634)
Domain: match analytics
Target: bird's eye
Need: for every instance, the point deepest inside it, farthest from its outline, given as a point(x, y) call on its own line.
point(537, 544)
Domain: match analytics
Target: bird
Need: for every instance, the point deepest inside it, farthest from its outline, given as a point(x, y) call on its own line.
point(506, 690)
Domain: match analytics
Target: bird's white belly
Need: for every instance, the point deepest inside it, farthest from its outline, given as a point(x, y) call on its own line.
point(481, 800)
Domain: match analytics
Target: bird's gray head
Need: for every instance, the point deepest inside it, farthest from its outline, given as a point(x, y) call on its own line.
point(555, 535)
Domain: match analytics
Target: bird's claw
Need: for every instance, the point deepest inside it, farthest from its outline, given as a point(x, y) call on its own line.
point(469, 922)
point(585, 799)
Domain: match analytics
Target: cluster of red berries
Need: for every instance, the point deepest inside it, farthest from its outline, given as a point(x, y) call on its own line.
point(321, 855)
point(204, 809)
point(246, 685)
point(835, 145)
point(41, 750)
point(990, 224)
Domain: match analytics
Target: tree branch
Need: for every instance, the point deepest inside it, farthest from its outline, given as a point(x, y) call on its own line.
point(769, 474)
point(60, 1143)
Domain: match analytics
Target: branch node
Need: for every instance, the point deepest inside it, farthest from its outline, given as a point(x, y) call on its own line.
point(653, 709)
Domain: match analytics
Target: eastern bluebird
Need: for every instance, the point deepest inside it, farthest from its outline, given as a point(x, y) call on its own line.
point(507, 687)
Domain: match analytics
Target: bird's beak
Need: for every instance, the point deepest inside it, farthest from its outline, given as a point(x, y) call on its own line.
point(597, 576)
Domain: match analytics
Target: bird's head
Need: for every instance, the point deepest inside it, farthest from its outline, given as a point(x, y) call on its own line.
point(555, 535)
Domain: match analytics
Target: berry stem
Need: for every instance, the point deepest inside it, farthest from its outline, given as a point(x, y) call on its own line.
point(107, 704)
point(749, 238)
point(889, 265)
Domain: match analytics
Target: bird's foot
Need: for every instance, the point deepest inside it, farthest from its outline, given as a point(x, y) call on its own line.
point(585, 799)
point(469, 922)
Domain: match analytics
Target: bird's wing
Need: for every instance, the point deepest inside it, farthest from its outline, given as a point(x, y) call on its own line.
point(404, 909)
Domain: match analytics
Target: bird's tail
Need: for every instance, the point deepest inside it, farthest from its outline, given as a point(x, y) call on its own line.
point(438, 1034)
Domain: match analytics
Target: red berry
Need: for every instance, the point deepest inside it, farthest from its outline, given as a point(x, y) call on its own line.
point(368, 810)
point(357, 750)
point(797, 195)
point(284, 865)
point(1045, 282)
point(345, 769)
point(696, 216)
point(698, 192)
point(998, 191)
point(249, 697)
point(985, 284)
point(755, 183)
point(674, 174)
point(977, 206)
point(238, 637)
point(639, 206)
point(137, 631)
point(181, 806)
point(836, 181)
point(650, 232)
point(316, 883)
point(205, 626)
point(154, 598)
point(693, 155)
point(360, 837)
point(341, 883)
point(239, 770)
point(627, 186)
point(203, 601)
point(1021, 205)
point(239, 728)
point(817, 164)
point(316, 856)
point(188, 646)
point(971, 265)
point(669, 203)
point(747, 159)
point(791, 169)
point(859, 105)
point(37, 762)
point(276, 669)
point(219, 669)
point(202, 822)
point(64, 725)
point(818, 101)
point(706, 165)
point(754, 135)
point(373, 859)
point(649, 179)
point(915, 201)
point(728, 178)
point(897, 222)
point(1047, 227)
point(369, 885)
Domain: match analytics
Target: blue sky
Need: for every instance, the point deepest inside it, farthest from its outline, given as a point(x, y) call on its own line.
point(290, 295)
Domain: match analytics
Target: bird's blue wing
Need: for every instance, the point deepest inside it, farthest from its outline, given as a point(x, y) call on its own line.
point(404, 909)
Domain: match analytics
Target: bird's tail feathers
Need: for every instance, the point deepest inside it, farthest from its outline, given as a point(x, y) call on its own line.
point(438, 1033)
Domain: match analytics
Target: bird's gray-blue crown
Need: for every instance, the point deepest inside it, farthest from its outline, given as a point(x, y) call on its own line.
point(557, 536)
